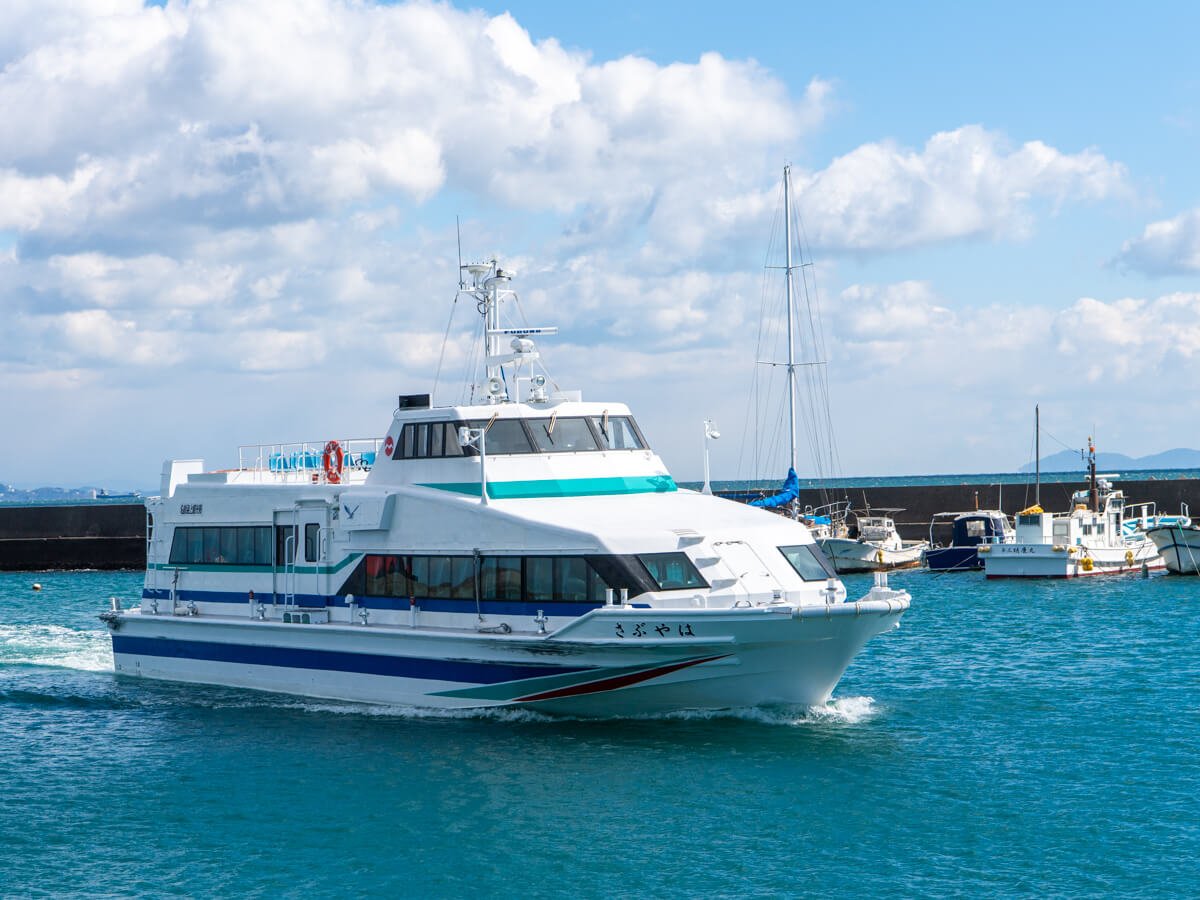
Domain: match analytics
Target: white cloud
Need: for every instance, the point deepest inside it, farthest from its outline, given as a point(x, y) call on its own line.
point(963, 183)
point(1168, 247)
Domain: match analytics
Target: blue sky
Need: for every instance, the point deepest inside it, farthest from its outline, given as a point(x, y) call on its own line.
point(231, 223)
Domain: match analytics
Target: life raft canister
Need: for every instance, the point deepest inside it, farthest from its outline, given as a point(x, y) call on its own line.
point(332, 460)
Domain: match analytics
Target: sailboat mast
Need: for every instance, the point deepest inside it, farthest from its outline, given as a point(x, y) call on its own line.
point(791, 339)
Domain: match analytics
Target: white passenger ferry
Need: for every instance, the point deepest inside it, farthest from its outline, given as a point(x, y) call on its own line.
point(529, 549)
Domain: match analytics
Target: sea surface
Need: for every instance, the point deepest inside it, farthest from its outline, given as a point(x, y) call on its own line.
point(1011, 739)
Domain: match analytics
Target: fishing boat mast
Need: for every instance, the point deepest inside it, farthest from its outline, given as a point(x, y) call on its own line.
point(1037, 454)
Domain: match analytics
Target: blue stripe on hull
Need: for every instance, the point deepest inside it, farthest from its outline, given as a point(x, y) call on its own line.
point(337, 661)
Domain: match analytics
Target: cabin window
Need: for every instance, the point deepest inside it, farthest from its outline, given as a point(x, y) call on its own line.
point(977, 528)
point(672, 571)
point(618, 433)
point(451, 577)
point(500, 578)
point(505, 436)
point(451, 446)
point(312, 541)
point(534, 579)
point(809, 561)
point(555, 435)
point(285, 549)
point(233, 545)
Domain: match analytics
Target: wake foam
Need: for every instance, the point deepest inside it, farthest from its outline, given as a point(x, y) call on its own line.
point(842, 711)
point(55, 645)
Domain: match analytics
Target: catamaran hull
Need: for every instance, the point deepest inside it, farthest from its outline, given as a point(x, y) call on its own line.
point(1042, 561)
point(848, 556)
point(736, 658)
point(1179, 547)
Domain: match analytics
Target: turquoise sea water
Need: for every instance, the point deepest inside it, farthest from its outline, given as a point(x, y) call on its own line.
point(1010, 739)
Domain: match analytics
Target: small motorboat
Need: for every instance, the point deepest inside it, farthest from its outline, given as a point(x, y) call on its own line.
point(969, 530)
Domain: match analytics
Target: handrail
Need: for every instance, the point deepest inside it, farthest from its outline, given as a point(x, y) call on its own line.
point(307, 456)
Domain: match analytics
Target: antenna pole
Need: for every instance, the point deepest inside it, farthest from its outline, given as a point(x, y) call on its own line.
point(458, 229)
point(1037, 454)
point(791, 339)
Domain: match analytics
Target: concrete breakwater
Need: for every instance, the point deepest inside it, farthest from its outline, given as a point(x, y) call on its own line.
point(113, 535)
point(920, 502)
point(77, 536)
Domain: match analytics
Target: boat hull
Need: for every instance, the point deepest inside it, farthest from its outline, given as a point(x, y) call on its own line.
point(1053, 561)
point(952, 559)
point(1179, 547)
point(732, 658)
point(848, 555)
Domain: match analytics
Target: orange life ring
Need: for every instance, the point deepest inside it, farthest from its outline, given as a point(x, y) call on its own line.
point(332, 461)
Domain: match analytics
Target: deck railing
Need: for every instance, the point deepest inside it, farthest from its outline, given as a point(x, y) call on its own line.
point(307, 458)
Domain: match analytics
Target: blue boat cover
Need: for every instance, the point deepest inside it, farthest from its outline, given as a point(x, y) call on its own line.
point(791, 490)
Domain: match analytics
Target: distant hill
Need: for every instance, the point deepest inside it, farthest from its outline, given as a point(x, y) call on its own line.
point(1072, 461)
point(10, 494)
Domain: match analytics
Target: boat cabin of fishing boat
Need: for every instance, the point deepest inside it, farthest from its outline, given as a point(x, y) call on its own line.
point(525, 548)
point(878, 546)
point(1089, 539)
point(969, 530)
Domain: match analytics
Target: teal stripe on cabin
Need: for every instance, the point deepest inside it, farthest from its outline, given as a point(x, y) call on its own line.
point(563, 487)
point(225, 567)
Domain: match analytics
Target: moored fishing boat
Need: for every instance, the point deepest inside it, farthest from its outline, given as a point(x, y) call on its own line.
point(523, 549)
point(1099, 535)
point(877, 547)
point(1178, 542)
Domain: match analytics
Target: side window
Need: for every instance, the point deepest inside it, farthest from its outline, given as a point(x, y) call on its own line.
point(539, 579)
point(809, 561)
point(312, 541)
point(285, 545)
point(617, 433)
point(451, 446)
point(672, 571)
point(501, 578)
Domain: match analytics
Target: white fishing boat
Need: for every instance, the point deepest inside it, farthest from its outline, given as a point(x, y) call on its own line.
point(878, 546)
point(1099, 535)
point(1178, 542)
point(524, 548)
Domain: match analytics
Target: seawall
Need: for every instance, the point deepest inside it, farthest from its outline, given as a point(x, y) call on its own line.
point(920, 502)
point(81, 536)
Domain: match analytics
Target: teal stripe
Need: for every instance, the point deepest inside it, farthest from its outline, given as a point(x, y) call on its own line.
point(563, 487)
point(223, 567)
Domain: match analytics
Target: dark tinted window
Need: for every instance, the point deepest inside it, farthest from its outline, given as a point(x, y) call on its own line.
point(234, 545)
point(312, 541)
point(562, 435)
point(809, 562)
point(505, 436)
point(672, 571)
point(500, 578)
